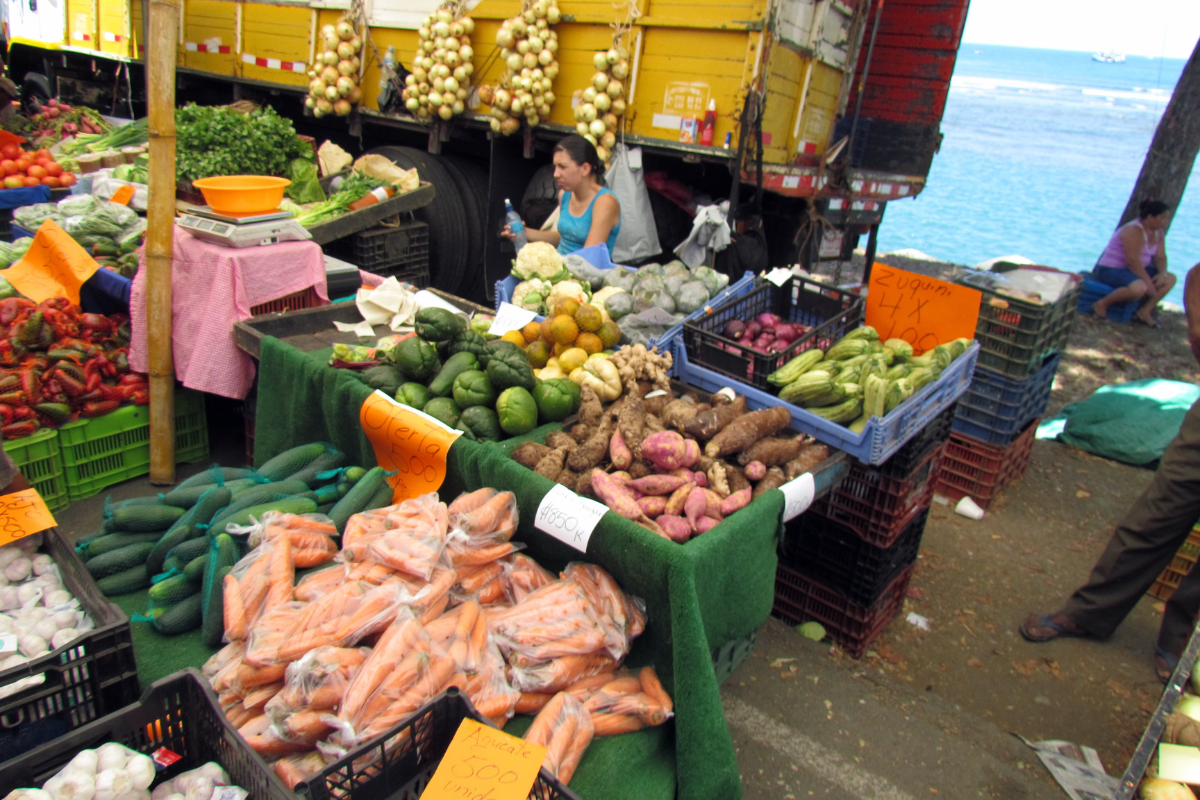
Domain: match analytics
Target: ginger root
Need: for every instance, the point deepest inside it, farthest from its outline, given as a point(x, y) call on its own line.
point(636, 363)
point(528, 454)
point(557, 439)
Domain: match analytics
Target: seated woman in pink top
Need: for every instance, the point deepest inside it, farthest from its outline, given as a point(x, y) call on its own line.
point(1135, 263)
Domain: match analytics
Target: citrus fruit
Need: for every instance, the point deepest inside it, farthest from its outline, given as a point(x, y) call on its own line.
point(560, 349)
point(515, 337)
point(563, 330)
point(532, 331)
point(571, 358)
point(538, 353)
point(588, 318)
point(610, 334)
point(566, 306)
point(589, 343)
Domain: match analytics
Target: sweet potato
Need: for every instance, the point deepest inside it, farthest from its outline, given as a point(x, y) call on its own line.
point(748, 429)
point(735, 501)
point(713, 505)
point(756, 470)
point(618, 452)
point(665, 450)
point(652, 505)
point(809, 457)
point(615, 496)
point(692, 453)
point(589, 454)
point(638, 469)
point(771, 452)
point(774, 479)
point(652, 526)
point(706, 524)
point(528, 454)
point(658, 484)
point(678, 499)
point(707, 424)
point(700, 479)
point(695, 506)
point(552, 463)
point(677, 528)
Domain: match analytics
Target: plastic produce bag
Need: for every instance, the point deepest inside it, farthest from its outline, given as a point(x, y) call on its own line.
point(621, 277)
point(565, 729)
point(619, 304)
point(414, 537)
point(584, 271)
point(638, 237)
point(713, 281)
point(691, 297)
point(115, 213)
point(309, 535)
point(644, 299)
point(76, 204)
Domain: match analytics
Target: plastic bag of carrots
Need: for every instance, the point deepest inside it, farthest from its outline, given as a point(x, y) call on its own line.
point(523, 577)
point(316, 682)
point(311, 536)
point(484, 521)
point(565, 729)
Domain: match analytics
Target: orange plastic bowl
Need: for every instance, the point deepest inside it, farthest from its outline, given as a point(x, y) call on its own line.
point(242, 195)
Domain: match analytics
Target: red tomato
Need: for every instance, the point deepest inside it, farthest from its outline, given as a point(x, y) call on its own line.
point(11, 151)
point(37, 171)
point(13, 182)
point(41, 162)
point(54, 169)
point(23, 165)
point(8, 166)
point(46, 154)
point(51, 181)
point(33, 181)
point(68, 179)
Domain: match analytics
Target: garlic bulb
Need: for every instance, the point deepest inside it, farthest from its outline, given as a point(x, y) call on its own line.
point(71, 785)
point(112, 756)
point(8, 554)
point(33, 645)
point(84, 761)
point(63, 637)
point(19, 569)
point(201, 789)
point(112, 783)
point(57, 598)
point(45, 629)
point(41, 564)
point(141, 770)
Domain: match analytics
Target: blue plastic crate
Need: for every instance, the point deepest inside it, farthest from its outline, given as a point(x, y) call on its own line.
point(1095, 290)
point(995, 408)
point(882, 436)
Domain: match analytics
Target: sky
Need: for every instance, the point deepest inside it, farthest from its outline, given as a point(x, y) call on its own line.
point(1160, 28)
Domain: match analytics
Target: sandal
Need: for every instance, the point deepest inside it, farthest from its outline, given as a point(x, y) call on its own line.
point(1092, 311)
point(1043, 628)
point(1164, 664)
point(1153, 323)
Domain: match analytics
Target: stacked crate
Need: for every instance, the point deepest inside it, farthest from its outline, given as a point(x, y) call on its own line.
point(1021, 343)
point(1174, 573)
point(400, 251)
point(846, 563)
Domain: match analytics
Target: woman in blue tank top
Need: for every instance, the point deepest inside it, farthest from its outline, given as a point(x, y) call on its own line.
point(589, 214)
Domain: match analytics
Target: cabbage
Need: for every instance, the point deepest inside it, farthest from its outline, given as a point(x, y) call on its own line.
point(619, 305)
point(649, 283)
point(677, 268)
point(653, 298)
point(621, 277)
point(583, 270)
point(691, 297)
point(713, 281)
point(651, 269)
point(76, 204)
point(673, 283)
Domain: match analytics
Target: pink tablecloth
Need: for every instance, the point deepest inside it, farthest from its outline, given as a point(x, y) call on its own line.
point(215, 287)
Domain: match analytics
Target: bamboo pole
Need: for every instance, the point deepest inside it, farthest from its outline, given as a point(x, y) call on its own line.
point(160, 216)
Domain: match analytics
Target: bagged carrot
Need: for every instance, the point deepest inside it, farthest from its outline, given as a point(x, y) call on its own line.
point(252, 583)
point(398, 697)
point(361, 530)
point(485, 516)
point(316, 682)
point(310, 536)
point(524, 577)
point(269, 634)
point(560, 673)
point(556, 620)
point(218, 660)
point(489, 689)
point(565, 729)
point(625, 613)
point(295, 769)
point(315, 584)
point(414, 538)
point(403, 638)
point(342, 618)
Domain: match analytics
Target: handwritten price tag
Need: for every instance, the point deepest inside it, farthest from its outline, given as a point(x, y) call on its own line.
point(510, 318)
point(54, 266)
point(485, 764)
point(122, 196)
point(798, 494)
point(411, 444)
point(568, 517)
point(923, 311)
point(22, 514)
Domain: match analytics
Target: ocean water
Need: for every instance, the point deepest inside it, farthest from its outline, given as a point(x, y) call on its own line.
point(1041, 151)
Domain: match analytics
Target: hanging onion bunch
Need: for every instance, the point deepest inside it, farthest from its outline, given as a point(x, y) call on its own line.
point(601, 105)
point(333, 86)
point(441, 76)
point(529, 48)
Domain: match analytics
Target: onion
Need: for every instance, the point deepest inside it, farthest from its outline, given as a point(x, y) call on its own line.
point(451, 60)
point(530, 60)
point(316, 87)
point(330, 75)
point(545, 57)
point(332, 93)
point(466, 52)
point(547, 95)
point(618, 106)
point(615, 89)
point(504, 37)
point(535, 43)
point(329, 58)
point(356, 43)
point(609, 140)
point(529, 17)
point(602, 102)
point(582, 129)
point(523, 46)
point(596, 127)
point(510, 126)
point(620, 70)
point(1159, 789)
point(355, 96)
point(514, 62)
point(587, 112)
point(460, 75)
point(328, 30)
point(441, 29)
point(458, 107)
point(435, 100)
point(468, 24)
point(423, 33)
point(610, 121)
point(516, 107)
point(413, 104)
point(552, 15)
point(444, 15)
point(439, 85)
point(420, 74)
point(539, 8)
point(552, 71)
point(502, 99)
point(589, 94)
point(456, 29)
point(602, 153)
point(345, 68)
point(461, 94)
point(495, 125)
point(450, 84)
point(448, 98)
point(344, 29)
point(591, 139)
point(533, 119)
point(519, 28)
point(330, 42)
point(342, 107)
point(344, 85)
point(600, 81)
point(345, 50)
point(612, 56)
point(600, 61)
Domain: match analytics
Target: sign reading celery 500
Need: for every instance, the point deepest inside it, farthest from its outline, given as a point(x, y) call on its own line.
point(407, 442)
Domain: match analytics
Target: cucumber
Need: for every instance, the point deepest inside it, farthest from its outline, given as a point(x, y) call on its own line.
point(291, 461)
point(239, 486)
point(328, 493)
point(109, 508)
point(119, 560)
point(357, 498)
point(185, 497)
point(263, 493)
point(146, 518)
point(210, 476)
point(172, 590)
point(233, 509)
point(325, 462)
point(182, 617)
point(224, 555)
point(382, 497)
point(190, 549)
point(173, 563)
point(131, 580)
point(114, 541)
point(325, 509)
point(292, 505)
point(187, 527)
point(195, 569)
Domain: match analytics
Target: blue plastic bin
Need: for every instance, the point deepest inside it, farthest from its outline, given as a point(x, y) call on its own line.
point(882, 436)
point(1095, 290)
point(996, 408)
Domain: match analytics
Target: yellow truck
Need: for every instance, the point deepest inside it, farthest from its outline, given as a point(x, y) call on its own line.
point(852, 92)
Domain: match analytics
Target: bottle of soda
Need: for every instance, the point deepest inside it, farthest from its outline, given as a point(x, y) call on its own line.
point(514, 222)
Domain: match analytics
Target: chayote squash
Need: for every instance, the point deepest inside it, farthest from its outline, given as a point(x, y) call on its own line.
point(471, 342)
point(443, 409)
point(510, 368)
point(516, 411)
point(417, 359)
point(473, 388)
point(482, 422)
point(455, 365)
point(557, 399)
point(384, 377)
point(413, 394)
point(438, 324)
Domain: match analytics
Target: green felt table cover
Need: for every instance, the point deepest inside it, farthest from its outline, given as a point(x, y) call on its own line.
point(698, 596)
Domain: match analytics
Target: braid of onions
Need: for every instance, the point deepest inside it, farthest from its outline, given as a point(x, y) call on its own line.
point(440, 81)
point(333, 81)
point(529, 48)
point(601, 105)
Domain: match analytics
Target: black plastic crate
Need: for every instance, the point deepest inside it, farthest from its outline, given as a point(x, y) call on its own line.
point(399, 764)
point(1015, 335)
point(84, 680)
point(179, 712)
point(386, 250)
point(831, 311)
point(913, 453)
point(838, 557)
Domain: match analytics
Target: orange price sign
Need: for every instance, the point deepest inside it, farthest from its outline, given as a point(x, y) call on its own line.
point(122, 196)
point(483, 763)
point(54, 266)
point(923, 311)
point(411, 444)
point(22, 514)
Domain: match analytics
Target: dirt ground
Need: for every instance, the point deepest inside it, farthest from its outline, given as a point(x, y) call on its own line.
point(975, 581)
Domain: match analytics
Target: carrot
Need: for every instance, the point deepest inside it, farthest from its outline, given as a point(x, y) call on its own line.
point(439, 605)
point(254, 593)
point(492, 591)
point(559, 673)
point(584, 688)
point(258, 698)
point(468, 616)
point(291, 649)
point(255, 726)
point(306, 726)
point(540, 731)
point(293, 770)
point(316, 584)
point(639, 705)
point(560, 739)
point(478, 577)
point(377, 610)
point(440, 670)
point(239, 715)
point(613, 724)
point(653, 687)
point(575, 750)
point(485, 518)
point(532, 702)
point(311, 557)
point(269, 746)
point(470, 501)
point(400, 638)
point(442, 628)
point(282, 576)
point(481, 555)
point(497, 705)
point(235, 613)
point(392, 686)
point(477, 642)
point(250, 677)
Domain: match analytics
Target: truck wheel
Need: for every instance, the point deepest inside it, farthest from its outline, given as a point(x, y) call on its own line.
point(35, 91)
point(542, 186)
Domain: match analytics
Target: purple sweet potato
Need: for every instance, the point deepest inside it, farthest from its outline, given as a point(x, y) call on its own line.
point(696, 505)
point(691, 453)
point(615, 496)
point(713, 506)
point(666, 449)
point(618, 452)
point(678, 499)
point(706, 524)
point(756, 470)
point(677, 528)
point(652, 505)
point(735, 501)
point(657, 484)
point(700, 479)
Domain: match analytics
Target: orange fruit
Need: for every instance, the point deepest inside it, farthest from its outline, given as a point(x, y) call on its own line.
point(588, 318)
point(566, 306)
point(538, 353)
point(610, 334)
point(532, 331)
point(589, 342)
point(559, 349)
point(515, 337)
point(563, 330)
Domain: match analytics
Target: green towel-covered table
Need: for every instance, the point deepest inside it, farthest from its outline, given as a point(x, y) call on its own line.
point(699, 596)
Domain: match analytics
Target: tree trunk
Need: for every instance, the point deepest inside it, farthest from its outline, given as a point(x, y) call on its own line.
point(1169, 162)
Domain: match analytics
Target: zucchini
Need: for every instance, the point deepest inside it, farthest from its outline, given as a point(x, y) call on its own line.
point(211, 477)
point(131, 580)
point(325, 462)
point(114, 541)
point(293, 505)
point(190, 549)
point(146, 518)
point(195, 569)
point(291, 461)
point(119, 560)
point(222, 557)
point(263, 493)
point(382, 497)
point(328, 493)
point(357, 498)
point(179, 618)
point(163, 547)
point(325, 509)
point(188, 526)
point(172, 590)
point(173, 563)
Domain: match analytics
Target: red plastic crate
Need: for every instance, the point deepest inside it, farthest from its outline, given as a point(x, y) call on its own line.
point(306, 298)
point(854, 627)
point(972, 468)
point(878, 507)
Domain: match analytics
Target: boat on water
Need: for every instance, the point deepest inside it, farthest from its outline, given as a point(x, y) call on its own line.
point(1109, 57)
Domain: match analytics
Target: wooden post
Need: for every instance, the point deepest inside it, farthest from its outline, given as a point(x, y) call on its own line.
point(162, 46)
point(1176, 142)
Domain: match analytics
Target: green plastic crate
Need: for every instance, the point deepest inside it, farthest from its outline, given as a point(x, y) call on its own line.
point(100, 452)
point(40, 461)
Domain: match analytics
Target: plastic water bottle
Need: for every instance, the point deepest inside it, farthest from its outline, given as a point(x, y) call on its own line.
point(514, 222)
point(389, 66)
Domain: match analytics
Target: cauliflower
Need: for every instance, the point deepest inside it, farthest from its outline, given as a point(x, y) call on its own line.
point(567, 289)
point(531, 294)
point(601, 297)
point(540, 260)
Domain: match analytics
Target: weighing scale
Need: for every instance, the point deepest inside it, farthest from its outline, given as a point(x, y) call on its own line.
point(251, 231)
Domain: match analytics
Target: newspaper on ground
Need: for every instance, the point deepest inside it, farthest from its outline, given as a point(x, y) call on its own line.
point(1077, 768)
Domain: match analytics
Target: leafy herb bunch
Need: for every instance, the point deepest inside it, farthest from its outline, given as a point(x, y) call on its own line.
point(218, 140)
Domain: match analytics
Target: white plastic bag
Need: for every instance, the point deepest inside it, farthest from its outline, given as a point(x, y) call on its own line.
point(638, 237)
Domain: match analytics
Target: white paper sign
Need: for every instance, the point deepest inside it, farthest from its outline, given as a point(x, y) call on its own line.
point(510, 318)
point(8, 643)
point(568, 517)
point(798, 494)
point(655, 316)
point(779, 276)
